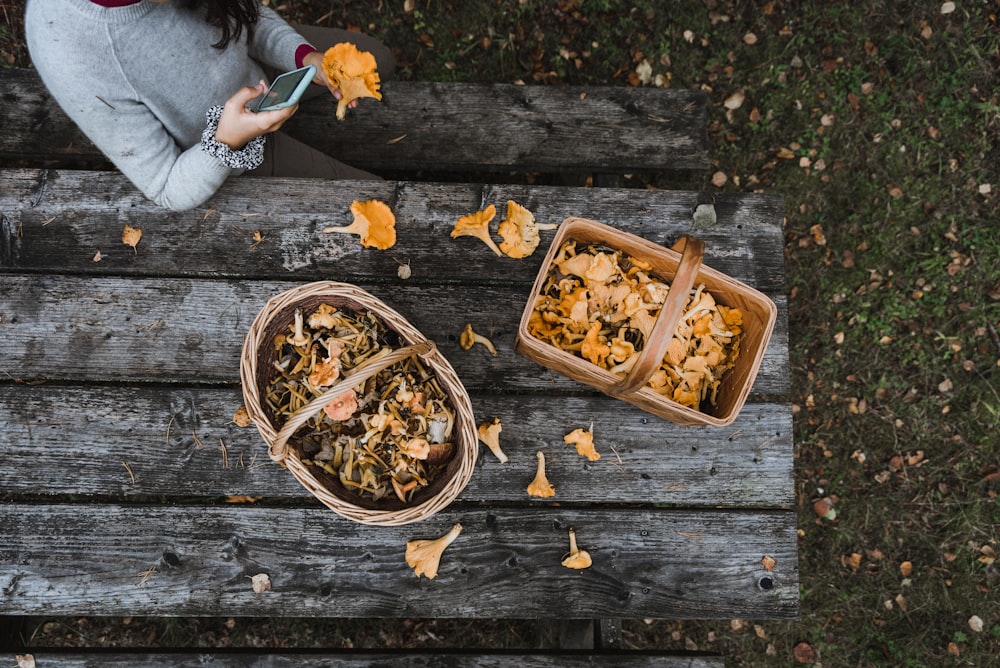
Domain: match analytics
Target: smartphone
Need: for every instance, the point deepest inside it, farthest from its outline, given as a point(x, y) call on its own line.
point(286, 89)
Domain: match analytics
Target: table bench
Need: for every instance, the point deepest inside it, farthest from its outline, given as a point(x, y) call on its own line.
point(120, 376)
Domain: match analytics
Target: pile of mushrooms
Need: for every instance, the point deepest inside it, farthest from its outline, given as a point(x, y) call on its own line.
point(601, 305)
point(390, 435)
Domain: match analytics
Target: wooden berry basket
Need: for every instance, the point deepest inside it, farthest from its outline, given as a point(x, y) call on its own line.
point(682, 271)
point(258, 356)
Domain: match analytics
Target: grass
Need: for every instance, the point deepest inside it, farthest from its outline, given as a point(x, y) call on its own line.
point(879, 123)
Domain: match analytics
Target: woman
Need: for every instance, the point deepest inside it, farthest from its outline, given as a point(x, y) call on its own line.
point(161, 88)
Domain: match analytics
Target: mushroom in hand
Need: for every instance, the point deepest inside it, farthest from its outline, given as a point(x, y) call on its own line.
point(576, 558)
point(477, 225)
point(354, 72)
point(489, 433)
point(424, 556)
point(374, 222)
point(541, 486)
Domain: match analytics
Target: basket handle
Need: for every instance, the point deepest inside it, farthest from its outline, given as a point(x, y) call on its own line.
point(693, 250)
point(359, 374)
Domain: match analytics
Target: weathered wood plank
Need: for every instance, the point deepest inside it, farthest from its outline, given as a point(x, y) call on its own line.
point(382, 659)
point(97, 560)
point(57, 220)
point(168, 442)
point(459, 126)
point(192, 330)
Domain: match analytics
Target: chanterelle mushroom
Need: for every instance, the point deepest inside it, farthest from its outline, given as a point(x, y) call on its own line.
point(424, 556)
point(489, 433)
point(298, 338)
point(584, 442)
point(477, 225)
point(541, 486)
point(354, 72)
point(470, 338)
point(576, 558)
point(374, 222)
point(520, 231)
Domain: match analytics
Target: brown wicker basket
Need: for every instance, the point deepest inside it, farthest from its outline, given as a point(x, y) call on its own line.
point(258, 356)
point(682, 271)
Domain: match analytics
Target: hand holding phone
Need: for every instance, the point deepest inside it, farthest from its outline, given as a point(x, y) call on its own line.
point(286, 89)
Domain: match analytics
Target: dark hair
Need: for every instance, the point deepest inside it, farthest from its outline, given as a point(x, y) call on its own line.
point(231, 17)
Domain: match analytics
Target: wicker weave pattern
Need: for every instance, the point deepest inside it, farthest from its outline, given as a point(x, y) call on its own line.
point(275, 316)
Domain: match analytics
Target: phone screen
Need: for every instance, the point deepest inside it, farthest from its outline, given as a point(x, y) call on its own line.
point(283, 88)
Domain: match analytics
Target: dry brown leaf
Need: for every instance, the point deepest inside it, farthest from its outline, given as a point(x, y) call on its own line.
point(719, 179)
point(98, 257)
point(131, 236)
point(804, 653)
point(976, 624)
point(906, 568)
point(734, 101)
point(768, 563)
point(901, 602)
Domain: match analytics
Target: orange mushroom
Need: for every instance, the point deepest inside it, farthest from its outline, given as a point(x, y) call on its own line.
point(374, 222)
point(584, 442)
point(477, 225)
point(343, 406)
point(520, 231)
point(541, 486)
point(354, 72)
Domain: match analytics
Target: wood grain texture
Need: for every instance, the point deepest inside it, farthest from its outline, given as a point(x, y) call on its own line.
point(439, 127)
point(192, 330)
point(506, 563)
point(142, 441)
point(58, 220)
point(370, 659)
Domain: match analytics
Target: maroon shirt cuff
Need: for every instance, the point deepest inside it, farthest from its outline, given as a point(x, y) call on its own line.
point(301, 52)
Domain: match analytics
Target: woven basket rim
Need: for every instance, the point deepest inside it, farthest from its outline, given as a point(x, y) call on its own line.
point(464, 429)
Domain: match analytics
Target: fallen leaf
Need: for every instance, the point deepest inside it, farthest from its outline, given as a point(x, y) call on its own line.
point(906, 568)
point(768, 563)
point(734, 101)
point(719, 179)
point(759, 631)
point(953, 649)
point(261, 583)
point(804, 653)
point(947, 7)
point(749, 39)
point(98, 257)
point(824, 508)
point(243, 499)
point(853, 561)
point(901, 602)
point(976, 624)
point(945, 386)
point(131, 236)
point(25, 660)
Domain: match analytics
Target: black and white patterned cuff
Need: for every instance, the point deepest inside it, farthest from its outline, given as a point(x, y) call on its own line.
point(247, 158)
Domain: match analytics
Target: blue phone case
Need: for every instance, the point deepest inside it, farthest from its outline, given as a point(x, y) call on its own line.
point(286, 89)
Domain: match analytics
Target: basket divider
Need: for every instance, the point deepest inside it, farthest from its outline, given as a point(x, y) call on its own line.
point(655, 347)
point(279, 449)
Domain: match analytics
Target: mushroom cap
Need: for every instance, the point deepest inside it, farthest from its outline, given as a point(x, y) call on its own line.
point(379, 223)
point(343, 406)
point(578, 559)
point(519, 231)
point(354, 72)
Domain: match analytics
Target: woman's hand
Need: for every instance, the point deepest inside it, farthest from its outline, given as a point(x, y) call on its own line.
point(238, 125)
point(316, 58)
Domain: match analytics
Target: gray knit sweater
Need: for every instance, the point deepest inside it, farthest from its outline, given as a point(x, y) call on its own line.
point(139, 79)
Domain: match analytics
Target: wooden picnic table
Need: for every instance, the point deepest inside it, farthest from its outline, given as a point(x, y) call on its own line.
point(119, 379)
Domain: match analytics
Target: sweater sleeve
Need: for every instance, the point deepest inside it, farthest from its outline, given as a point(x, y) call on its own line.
point(275, 43)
